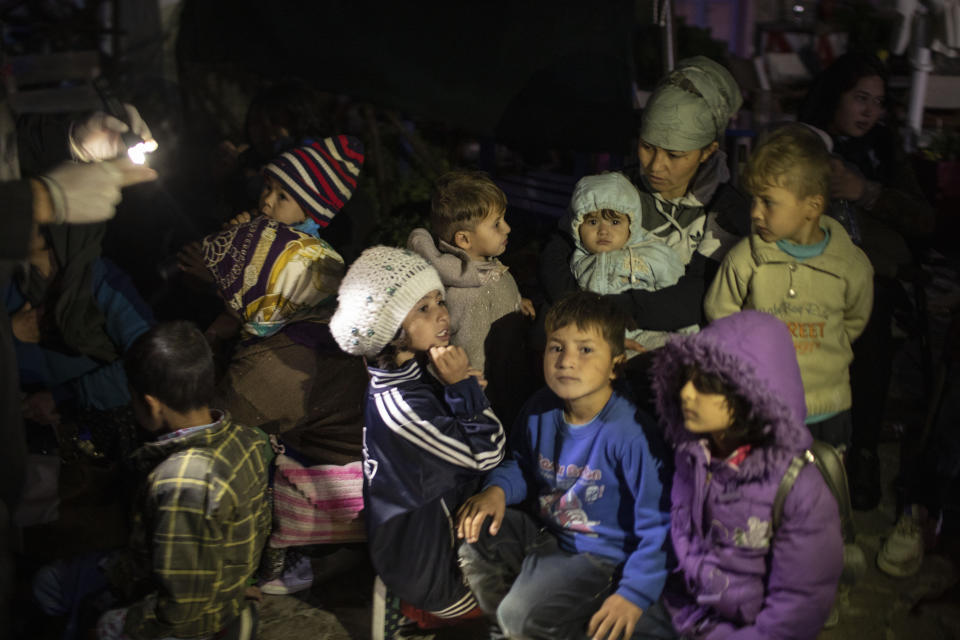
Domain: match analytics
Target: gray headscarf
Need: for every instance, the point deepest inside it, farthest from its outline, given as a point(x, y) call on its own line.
point(690, 107)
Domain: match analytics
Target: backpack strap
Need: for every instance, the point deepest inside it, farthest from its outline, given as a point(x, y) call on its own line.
point(786, 484)
point(830, 463)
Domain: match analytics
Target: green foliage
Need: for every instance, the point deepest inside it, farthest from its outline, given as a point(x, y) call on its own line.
point(394, 228)
point(944, 146)
point(403, 181)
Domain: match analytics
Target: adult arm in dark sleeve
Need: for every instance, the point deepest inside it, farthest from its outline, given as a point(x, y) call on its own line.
point(670, 308)
point(16, 202)
point(42, 142)
point(901, 203)
point(555, 274)
point(681, 305)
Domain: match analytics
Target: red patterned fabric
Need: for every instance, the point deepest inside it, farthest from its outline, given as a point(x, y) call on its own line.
point(426, 620)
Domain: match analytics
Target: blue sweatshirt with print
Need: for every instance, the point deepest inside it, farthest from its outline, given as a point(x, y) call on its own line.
point(597, 488)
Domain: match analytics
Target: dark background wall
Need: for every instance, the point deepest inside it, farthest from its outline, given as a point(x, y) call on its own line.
point(530, 71)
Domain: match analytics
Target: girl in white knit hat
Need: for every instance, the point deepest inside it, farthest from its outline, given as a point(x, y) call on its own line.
point(430, 433)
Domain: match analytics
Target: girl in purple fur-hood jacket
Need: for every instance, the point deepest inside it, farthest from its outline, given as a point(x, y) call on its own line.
point(736, 577)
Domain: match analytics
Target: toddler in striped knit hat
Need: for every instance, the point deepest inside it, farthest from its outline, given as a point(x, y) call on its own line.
point(306, 186)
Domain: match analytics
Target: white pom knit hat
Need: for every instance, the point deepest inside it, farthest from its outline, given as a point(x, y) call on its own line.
point(379, 290)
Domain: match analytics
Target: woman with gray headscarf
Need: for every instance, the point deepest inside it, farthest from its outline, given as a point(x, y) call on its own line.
point(687, 203)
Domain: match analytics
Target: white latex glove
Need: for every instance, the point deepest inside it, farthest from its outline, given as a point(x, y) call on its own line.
point(84, 193)
point(99, 137)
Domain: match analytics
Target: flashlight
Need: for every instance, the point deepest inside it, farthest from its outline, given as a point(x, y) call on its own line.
point(138, 152)
point(137, 148)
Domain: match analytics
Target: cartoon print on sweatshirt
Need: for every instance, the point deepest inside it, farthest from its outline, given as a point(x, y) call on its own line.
point(576, 486)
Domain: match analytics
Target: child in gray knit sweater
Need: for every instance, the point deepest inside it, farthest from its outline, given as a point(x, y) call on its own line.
point(468, 233)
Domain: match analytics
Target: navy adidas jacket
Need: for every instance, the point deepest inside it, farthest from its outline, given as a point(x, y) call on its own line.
point(425, 448)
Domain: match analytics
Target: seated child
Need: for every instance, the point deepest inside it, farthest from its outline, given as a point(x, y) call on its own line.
point(288, 378)
point(201, 516)
point(593, 559)
point(731, 401)
point(803, 268)
point(469, 231)
point(303, 188)
point(73, 315)
point(429, 434)
point(307, 186)
point(269, 274)
point(282, 115)
point(612, 251)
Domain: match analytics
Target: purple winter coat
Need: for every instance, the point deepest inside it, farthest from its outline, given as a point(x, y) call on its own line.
point(736, 578)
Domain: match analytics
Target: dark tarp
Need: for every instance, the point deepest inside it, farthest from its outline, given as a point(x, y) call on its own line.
point(530, 72)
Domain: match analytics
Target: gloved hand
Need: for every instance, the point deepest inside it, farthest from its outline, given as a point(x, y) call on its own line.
point(83, 193)
point(100, 136)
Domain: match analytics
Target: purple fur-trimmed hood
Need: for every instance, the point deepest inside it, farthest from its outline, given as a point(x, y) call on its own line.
point(754, 352)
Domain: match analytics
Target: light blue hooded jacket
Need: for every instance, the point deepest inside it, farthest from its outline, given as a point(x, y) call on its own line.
point(644, 262)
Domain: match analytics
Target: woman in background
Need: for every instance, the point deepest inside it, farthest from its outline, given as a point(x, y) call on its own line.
point(877, 197)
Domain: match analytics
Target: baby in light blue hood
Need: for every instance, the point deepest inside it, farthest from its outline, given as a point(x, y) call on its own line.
point(613, 251)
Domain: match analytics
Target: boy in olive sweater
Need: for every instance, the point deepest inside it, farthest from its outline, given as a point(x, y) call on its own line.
point(803, 268)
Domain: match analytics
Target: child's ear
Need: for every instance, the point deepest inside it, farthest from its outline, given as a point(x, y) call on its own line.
point(814, 205)
point(154, 407)
point(462, 240)
point(618, 362)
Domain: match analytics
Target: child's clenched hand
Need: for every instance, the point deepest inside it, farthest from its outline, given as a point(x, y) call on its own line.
point(527, 309)
point(241, 218)
point(615, 619)
point(451, 363)
point(26, 323)
point(633, 345)
point(846, 183)
point(40, 407)
point(492, 502)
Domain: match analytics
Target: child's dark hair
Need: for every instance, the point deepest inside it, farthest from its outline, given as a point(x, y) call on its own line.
point(460, 200)
point(745, 426)
point(589, 310)
point(387, 358)
point(173, 363)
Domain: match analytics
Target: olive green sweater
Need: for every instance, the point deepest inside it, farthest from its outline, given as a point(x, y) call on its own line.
point(825, 301)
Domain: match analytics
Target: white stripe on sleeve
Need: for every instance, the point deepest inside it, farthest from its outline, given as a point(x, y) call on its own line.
point(404, 421)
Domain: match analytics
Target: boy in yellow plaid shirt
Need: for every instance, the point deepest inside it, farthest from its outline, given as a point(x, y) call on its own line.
point(200, 519)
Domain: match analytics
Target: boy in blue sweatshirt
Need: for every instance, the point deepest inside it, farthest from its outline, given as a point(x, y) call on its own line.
point(592, 560)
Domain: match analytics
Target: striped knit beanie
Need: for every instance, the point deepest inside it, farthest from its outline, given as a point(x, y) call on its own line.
point(379, 290)
point(321, 175)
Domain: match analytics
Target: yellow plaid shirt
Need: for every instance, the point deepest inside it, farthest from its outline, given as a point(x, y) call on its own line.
point(201, 521)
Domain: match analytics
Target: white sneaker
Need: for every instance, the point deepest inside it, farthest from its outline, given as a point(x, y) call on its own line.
point(902, 553)
point(295, 577)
